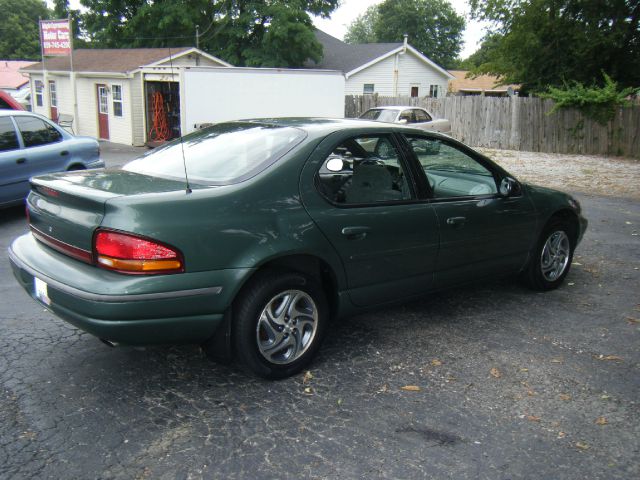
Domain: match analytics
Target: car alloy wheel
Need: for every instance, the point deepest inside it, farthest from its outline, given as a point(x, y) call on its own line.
point(555, 255)
point(287, 327)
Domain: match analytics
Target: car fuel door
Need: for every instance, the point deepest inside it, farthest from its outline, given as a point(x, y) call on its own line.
point(360, 194)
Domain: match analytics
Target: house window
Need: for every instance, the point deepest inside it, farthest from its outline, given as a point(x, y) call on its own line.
point(116, 95)
point(368, 88)
point(53, 96)
point(434, 91)
point(414, 91)
point(39, 90)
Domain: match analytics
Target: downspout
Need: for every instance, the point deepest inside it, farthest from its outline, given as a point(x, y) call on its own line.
point(395, 65)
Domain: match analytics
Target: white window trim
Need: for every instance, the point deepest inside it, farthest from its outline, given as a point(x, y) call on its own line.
point(120, 100)
point(364, 89)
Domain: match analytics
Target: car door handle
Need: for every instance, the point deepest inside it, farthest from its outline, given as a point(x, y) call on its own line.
point(355, 233)
point(64, 152)
point(456, 221)
point(21, 160)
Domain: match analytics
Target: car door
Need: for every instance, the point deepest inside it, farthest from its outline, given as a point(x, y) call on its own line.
point(14, 174)
point(359, 192)
point(482, 233)
point(44, 148)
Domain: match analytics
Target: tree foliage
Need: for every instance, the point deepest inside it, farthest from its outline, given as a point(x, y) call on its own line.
point(543, 43)
point(598, 103)
point(433, 27)
point(19, 29)
point(242, 32)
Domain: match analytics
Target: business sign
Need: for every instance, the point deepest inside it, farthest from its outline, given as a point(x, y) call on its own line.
point(55, 37)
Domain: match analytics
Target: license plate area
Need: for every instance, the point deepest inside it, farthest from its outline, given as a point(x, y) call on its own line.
point(41, 290)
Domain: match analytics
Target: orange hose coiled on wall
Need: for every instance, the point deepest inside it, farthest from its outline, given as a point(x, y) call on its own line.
point(160, 125)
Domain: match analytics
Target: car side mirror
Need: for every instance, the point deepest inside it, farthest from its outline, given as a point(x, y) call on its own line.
point(508, 186)
point(335, 164)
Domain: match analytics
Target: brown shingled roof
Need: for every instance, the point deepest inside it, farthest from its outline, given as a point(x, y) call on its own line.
point(118, 60)
point(485, 83)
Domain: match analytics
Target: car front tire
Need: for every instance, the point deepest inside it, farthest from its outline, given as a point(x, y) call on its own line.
point(279, 323)
point(551, 259)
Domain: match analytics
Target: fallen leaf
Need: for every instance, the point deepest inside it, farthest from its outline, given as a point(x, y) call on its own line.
point(564, 397)
point(561, 434)
point(601, 421)
point(628, 223)
point(339, 402)
point(308, 376)
point(582, 446)
point(576, 263)
point(495, 372)
point(411, 388)
point(524, 369)
point(632, 320)
point(556, 360)
point(533, 418)
point(308, 391)
point(531, 393)
point(435, 362)
point(613, 358)
point(384, 388)
point(570, 284)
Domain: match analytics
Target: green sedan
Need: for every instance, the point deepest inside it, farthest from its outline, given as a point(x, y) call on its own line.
point(249, 237)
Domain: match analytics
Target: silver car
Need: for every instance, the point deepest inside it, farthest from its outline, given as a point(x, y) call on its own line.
point(413, 116)
point(31, 145)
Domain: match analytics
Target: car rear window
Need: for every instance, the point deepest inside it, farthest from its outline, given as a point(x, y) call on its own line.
point(380, 115)
point(223, 154)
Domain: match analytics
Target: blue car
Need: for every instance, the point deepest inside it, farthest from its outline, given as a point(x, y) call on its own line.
point(31, 145)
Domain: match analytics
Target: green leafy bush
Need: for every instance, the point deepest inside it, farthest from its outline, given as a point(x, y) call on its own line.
point(597, 103)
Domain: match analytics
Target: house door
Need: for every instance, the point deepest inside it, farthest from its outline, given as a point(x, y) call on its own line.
point(53, 101)
point(103, 112)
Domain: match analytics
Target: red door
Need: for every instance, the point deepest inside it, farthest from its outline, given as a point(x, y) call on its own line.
point(53, 101)
point(414, 91)
point(103, 112)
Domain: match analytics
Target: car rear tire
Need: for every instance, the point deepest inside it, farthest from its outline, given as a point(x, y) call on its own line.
point(551, 259)
point(279, 322)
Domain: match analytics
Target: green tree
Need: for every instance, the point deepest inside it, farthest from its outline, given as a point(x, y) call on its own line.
point(19, 30)
point(242, 32)
point(361, 29)
point(545, 43)
point(433, 27)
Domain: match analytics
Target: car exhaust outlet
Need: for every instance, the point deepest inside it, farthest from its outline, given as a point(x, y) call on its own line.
point(108, 343)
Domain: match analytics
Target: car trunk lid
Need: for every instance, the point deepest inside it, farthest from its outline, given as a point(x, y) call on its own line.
point(65, 209)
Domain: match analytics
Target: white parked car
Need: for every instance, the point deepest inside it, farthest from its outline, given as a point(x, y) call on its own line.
point(413, 116)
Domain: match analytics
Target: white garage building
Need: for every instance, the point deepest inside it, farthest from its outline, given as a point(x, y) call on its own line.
point(125, 96)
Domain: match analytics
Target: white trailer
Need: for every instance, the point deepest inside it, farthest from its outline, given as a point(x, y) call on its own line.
point(212, 95)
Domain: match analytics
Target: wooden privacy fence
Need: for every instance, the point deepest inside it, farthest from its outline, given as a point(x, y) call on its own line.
point(519, 123)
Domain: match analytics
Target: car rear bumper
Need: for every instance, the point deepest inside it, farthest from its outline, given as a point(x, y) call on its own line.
point(134, 310)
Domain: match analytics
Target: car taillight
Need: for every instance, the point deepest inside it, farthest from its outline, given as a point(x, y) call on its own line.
point(128, 253)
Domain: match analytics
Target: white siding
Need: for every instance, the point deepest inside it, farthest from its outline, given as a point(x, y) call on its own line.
point(87, 123)
point(136, 107)
point(411, 72)
point(185, 61)
point(63, 94)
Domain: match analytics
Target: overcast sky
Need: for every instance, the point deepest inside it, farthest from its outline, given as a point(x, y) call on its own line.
point(340, 19)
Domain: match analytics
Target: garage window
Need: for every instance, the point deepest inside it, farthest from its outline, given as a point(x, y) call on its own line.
point(434, 91)
point(368, 88)
point(116, 95)
point(39, 88)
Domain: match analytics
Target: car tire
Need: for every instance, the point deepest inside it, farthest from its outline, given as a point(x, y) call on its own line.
point(279, 322)
point(551, 259)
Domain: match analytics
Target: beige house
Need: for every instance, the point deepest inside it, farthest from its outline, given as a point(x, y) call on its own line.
point(120, 94)
point(487, 85)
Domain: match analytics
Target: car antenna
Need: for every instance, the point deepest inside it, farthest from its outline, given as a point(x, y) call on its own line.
point(184, 159)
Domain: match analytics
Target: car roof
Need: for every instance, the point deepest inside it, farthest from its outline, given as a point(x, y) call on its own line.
point(395, 107)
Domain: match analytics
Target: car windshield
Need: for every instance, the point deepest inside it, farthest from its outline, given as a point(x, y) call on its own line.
point(380, 115)
point(220, 155)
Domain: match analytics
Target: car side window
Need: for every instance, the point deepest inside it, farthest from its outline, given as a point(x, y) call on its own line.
point(421, 116)
point(36, 131)
point(450, 171)
point(8, 137)
point(364, 170)
point(407, 115)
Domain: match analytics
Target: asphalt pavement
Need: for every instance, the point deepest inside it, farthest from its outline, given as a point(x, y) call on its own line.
point(490, 381)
